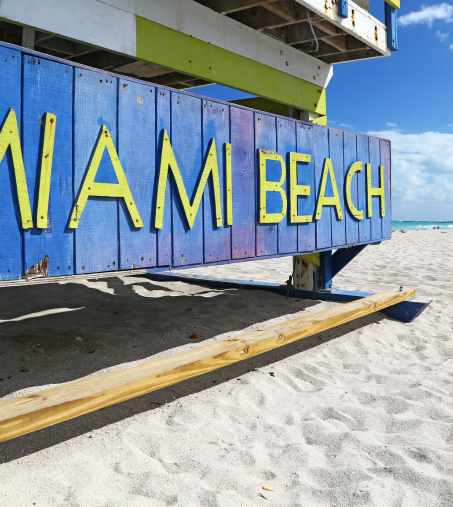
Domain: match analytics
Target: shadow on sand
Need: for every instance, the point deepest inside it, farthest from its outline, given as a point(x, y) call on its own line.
point(53, 333)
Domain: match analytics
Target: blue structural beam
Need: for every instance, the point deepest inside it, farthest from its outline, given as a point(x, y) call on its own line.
point(333, 263)
point(391, 22)
point(343, 8)
point(405, 312)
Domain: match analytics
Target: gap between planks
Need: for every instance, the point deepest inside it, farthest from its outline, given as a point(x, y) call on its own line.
point(47, 407)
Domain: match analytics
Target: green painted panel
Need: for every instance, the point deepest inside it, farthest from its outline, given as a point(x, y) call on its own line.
point(164, 46)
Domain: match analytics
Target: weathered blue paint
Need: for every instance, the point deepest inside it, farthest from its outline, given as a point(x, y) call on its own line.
point(306, 240)
point(216, 124)
point(11, 250)
point(320, 150)
point(387, 162)
point(391, 22)
point(244, 206)
point(48, 87)
point(266, 139)
point(286, 142)
point(336, 154)
point(363, 154)
point(95, 104)
point(349, 157)
point(186, 124)
point(164, 235)
point(136, 113)
point(343, 8)
point(137, 152)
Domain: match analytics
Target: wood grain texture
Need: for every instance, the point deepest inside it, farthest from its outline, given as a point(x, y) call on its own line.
point(47, 407)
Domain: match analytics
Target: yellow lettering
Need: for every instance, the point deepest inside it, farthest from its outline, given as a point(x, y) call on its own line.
point(324, 200)
point(9, 138)
point(42, 212)
point(271, 186)
point(229, 185)
point(375, 191)
point(355, 168)
point(91, 188)
point(296, 190)
point(168, 163)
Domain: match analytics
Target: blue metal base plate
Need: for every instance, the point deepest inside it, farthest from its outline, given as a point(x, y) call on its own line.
point(406, 311)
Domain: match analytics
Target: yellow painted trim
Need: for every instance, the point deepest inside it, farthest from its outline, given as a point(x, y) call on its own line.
point(168, 163)
point(179, 51)
point(324, 200)
point(320, 120)
point(296, 190)
point(9, 138)
point(355, 168)
point(375, 191)
point(396, 4)
point(42, 212)
point(271, 186)
point(91, 188)
point(229, 184)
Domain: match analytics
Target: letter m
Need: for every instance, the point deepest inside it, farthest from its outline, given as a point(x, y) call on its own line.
point(168, 164)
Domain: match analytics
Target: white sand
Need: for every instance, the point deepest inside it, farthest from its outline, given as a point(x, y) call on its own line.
point(357, 416)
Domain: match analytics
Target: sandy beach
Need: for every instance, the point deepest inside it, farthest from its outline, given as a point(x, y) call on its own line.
point(362, 415)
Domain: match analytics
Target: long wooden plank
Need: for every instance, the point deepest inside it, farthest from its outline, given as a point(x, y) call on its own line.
point(47, 407)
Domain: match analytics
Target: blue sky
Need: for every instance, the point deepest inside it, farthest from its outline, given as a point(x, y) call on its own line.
point(407, 98)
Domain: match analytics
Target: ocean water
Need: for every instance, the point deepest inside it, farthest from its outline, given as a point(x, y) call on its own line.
point(420, 224)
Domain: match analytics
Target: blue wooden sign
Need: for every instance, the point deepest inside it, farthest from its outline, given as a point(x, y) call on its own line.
point(100, 172)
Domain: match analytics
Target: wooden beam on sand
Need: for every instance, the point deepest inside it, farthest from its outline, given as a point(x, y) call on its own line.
point(43, 408)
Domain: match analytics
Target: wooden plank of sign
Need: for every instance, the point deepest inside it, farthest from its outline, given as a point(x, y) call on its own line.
point(266, 139)
point(363, 154)
point(95, 104)
point(320, 152)
point(349, 157)
point(306, 233)
point(216, 124)
point(386, 161)
point(375, 159)
point(286, 143)
point(186, 139)
point(10, 226)
point(48, 86)
point(244, 183)
point(163, 122)
point(24, 414)
point(336, 150)
point(136, 149)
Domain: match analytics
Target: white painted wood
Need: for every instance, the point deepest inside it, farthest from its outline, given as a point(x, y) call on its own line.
point(91, 21)
point(363, 26)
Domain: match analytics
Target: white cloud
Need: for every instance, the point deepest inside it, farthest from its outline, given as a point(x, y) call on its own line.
point(450, 47)
point(428, 14)
point(442, 36)
point(422, 174)
point(391, 125)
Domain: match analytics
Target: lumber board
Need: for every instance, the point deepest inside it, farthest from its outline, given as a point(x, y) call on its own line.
point(50, 406)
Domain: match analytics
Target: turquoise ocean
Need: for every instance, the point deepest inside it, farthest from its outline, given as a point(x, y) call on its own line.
point(420, 224)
